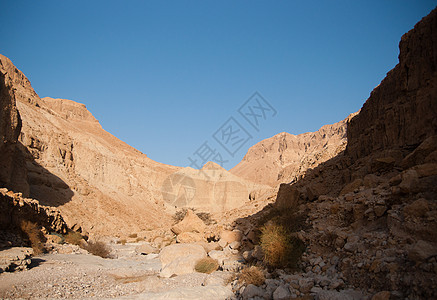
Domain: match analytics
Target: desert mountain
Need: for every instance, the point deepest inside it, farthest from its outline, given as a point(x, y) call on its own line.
point(286, 157)
point(65, 159)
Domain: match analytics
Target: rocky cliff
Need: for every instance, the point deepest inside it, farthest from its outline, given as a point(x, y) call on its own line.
point(401, 111)
point(99, 183)
point(370, 213)
point(286, 157)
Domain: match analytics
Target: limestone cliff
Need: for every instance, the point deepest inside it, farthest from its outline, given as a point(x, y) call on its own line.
point(401, 112)
point(286, 157)
point(97, 181)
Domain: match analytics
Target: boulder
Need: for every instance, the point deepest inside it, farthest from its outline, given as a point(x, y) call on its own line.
point(288, 196)
point(172, 252)
point(352, 186)
point(189, 237)
point(421, 251)
point(228, 237)
point(410, 181)
point(190, 223)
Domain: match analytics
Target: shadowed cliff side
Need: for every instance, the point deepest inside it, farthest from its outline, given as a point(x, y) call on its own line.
point(369, 215)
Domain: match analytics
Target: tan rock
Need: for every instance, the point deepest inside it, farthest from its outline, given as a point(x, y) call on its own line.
point(190, 237)
point(190, 223)
point(172, 252)
point(231, 236)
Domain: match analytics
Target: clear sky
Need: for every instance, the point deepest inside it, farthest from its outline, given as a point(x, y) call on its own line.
point(165, 76)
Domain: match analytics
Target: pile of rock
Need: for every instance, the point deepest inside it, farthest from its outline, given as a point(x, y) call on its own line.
point(15, 259)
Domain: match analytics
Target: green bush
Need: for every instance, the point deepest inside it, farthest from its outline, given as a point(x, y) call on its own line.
point(279, 247)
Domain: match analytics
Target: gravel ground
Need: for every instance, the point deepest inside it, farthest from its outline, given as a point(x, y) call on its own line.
point(82, 276)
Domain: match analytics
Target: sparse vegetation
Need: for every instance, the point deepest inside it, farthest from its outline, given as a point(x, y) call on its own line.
point(122, 241)
point(279, 247)
point(73, 237)
point(35, 236)
point(206, 265)
point(133, 235)
point(98, 248)
point(139, 239)
point(252, 275)
point(204, 216)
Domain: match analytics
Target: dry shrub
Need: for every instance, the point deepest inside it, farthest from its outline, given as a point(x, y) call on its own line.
point(206, 265)
point(35, 236)
point(123, 241)
point(139, 239)
point(73, 237)
point(279, 247)
point(133, 235)
point(98, 248)
point(204, 216)
point(180, 215)
point(252, 275)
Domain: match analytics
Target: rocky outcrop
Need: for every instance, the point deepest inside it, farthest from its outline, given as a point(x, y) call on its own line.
point(401, 112)
point(286, 157)
point(14, 208)
point(12, 170)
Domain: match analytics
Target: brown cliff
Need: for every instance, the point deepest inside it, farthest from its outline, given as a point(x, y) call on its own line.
point(286, 157)
point(401, 112)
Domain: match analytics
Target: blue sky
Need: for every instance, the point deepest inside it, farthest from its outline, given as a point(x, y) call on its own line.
point(164, 76)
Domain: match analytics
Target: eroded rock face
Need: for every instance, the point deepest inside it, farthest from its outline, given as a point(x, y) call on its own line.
point(12, 171)
point(97, 181)
point(285, 157)
point(401, 111)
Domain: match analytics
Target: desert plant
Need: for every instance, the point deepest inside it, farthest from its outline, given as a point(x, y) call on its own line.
point(206, 218)
point(206, 265)
point(35, 236)
point(139, 239)
point(133, 235)
point(279, 247)
point(180, 215)
point(98, 248)
point(252, 275)
point(73, 237)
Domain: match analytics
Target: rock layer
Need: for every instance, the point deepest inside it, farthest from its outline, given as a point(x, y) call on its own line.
point(401, 111)
point(98, 182)
point(286, 157)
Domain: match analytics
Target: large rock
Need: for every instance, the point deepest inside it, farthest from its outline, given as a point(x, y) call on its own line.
point(180, 259)
point(190, 223)
point(17, 258)
point(422, 250)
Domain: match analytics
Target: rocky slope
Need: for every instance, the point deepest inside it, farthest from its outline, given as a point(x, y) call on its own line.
point(98, 182)
point(370, 213)
point(286, 157)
